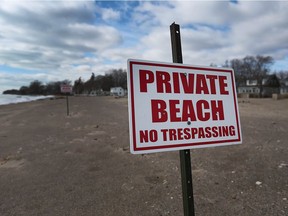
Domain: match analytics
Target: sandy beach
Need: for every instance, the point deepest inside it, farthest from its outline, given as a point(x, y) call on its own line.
point(54, 164)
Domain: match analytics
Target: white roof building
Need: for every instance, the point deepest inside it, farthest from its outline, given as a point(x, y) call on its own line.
point(117, 91)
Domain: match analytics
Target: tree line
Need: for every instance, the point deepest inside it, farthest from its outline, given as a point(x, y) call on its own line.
point(36, 87)
point(249, 67)
point(114, 78)
point(255, 68)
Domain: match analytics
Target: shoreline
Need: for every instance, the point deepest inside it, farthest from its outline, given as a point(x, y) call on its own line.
point(6, 99)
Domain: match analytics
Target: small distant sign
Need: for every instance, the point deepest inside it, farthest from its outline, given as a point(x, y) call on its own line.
point(66, 89)
point(178, 106)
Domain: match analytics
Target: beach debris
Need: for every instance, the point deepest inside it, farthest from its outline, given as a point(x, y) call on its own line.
point(95, 133)
point(258, 183)
point(125, 148)
point(19, 150)
point(282, 165)
point(127, 187)
point(11, 163)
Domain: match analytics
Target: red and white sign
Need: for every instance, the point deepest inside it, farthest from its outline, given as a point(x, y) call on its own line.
point(66, 88)
point(178, 106)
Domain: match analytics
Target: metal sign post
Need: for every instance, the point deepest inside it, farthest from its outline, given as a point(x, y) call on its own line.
point(67, 102)
point(189, 107)
point(185, 160)
point(67, 89)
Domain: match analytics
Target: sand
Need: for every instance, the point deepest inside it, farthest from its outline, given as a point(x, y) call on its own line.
point(54, 164)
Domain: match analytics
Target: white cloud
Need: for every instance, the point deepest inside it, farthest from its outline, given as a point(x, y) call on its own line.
point(69, 39)
point(110, 14)
point(53, 37)
point(157, 45)
point(120, 54)
point(217, 30)
point(45, 35)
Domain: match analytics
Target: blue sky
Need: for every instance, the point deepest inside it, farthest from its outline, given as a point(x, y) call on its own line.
point(56, 40)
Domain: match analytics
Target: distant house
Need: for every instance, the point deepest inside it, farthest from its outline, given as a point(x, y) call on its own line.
point(117, 91)
point(270, 85)
point(284, 86)
point(97, 92)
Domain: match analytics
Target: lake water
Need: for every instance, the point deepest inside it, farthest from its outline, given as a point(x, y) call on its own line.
point(12, 99)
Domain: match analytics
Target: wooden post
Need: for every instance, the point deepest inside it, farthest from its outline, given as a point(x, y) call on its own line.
point(185, 160)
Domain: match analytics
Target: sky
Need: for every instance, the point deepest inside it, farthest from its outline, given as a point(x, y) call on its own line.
point(53, 40)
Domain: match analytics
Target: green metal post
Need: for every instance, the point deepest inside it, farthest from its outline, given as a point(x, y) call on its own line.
point(185, 160)
point(67, 102)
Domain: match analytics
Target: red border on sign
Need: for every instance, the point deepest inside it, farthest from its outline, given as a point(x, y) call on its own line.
point(135, 148)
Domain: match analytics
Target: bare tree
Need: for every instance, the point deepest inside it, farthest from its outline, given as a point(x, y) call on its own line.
point(54, 88)
point(119, 78)
point(90, 84)
point(79, 86)
point(36, 88)
point(282, 75)
point(252, 67)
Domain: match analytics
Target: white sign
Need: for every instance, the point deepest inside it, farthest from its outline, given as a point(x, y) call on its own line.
point(66, 88)
point(178, 106)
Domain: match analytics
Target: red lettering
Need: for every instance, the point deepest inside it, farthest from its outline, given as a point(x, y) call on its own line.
point(153, 135)
point(164, 132)
point(194, 132)
point(232, 130)
point(212, 79)
point(188, 85)
point(174, 110)
point(172, 134)
point(208, 132)
point(214, 132)
point(176, 84)
point(219, 131)
point(183, 111)
point(201, 85)
point(187, 134)
point(144, 136)
point(223, 85)
point(180, 133)
point(200, 106)
point(145, 77)
point(163, 81)
point(188, 111)
point(217, 110)
point(201, 133)
point(225, 131)
point(159, 113)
